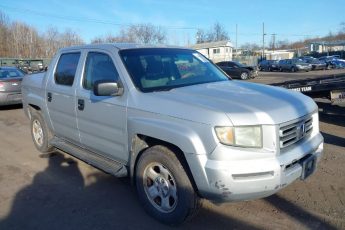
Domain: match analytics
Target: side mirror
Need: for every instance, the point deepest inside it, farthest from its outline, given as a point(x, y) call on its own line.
point(106, 88)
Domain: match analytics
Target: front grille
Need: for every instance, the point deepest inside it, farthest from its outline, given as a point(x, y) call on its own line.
point(291, 133)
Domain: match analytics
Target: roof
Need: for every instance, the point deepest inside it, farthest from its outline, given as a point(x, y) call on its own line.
point(331, 43)
point(211, 44)
point(120, 46)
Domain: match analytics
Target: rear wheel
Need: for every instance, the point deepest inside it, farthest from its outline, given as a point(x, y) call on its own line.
point(293, 69)
point(244, 75)
point(40, 133)
point(164, 188)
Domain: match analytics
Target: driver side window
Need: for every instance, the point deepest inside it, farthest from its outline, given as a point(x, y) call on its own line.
point(99, 66)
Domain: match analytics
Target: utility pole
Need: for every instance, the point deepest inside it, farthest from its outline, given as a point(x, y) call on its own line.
point(263, 40)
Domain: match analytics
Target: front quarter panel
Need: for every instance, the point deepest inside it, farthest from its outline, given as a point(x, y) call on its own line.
point(190, 137)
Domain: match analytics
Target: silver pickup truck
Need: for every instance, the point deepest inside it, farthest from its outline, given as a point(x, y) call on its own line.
point(174, 123)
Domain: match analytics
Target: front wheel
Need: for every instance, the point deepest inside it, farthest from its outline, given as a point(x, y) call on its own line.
point(164, 188)
point(244, 75)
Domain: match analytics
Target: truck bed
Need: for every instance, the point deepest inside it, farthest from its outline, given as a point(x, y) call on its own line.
point(314, 84)
point(317, 87)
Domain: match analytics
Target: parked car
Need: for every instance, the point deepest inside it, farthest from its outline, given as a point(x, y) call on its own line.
point(10, 62)
point(338, 63)
point(316, 64)
point(293, 65)
point(329, 61)
point(268, 65)
point(237, 70)
point(23, 65)
point(174, 122)
point(10, 85)
point(36, 65)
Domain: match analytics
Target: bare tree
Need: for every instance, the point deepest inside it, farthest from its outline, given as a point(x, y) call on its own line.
point(250, 46)
point(140, 33)
point(218, 32)
point(215, 33)
point(342, 27)
point(145, 33)
point(51, 41)
point(282, 44)
point(17, 39)
point(70, 38)
point(4, 34)
point(201, 36)
point(97, 40)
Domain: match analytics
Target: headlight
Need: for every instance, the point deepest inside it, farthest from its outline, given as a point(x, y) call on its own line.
point(242, 136)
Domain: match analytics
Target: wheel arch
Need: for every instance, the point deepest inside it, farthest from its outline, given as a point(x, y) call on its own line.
point(141, 142)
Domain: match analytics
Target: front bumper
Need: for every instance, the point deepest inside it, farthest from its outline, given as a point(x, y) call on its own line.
point(254, 73)
point(236, 180)
point(10, 98)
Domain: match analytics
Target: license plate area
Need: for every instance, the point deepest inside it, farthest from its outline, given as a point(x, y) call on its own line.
point(308, 166)
point(14, 97)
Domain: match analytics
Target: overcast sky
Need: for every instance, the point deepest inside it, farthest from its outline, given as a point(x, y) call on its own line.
point(289, 19)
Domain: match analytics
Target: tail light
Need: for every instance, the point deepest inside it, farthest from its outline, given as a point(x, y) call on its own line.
point(2, 84)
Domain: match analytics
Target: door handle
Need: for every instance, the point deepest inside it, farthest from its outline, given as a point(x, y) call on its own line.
point(81, 104)
point(49, 97)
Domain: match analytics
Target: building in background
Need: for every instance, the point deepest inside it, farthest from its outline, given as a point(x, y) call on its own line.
point(215, 51)
point(323, 46)
point(277, 54)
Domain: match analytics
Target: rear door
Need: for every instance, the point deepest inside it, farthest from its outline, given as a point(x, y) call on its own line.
point(102, 120)
point(61, 98)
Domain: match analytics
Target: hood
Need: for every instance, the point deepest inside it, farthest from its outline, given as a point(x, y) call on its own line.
point(242, 102)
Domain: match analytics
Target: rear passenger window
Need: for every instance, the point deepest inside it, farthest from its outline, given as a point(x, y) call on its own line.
point(66, 68)
point(99, 66)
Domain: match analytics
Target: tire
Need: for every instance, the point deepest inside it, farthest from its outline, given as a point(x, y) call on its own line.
point(281, 69)
point(40, 133)
point(244, 75)
point(269, 69)
point(160, 176)
point(293, 69)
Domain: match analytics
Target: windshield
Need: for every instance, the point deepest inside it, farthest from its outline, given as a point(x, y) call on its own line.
point(155, 69)
point(10, 73)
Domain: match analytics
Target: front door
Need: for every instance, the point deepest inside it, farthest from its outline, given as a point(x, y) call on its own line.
point(102, 119)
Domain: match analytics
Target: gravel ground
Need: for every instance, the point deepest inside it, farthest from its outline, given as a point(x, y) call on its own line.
point(61, 192)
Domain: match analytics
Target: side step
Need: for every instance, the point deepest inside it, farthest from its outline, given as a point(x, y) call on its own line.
point(108, 165)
